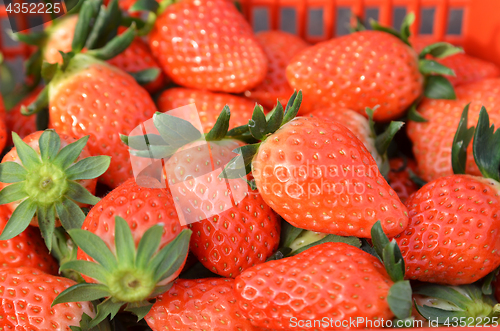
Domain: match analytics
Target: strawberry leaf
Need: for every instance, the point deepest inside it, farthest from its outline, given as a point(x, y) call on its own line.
point(107, 308)
point(439, 87)
point(292, 107)
point(485, 147)
point(379, 238)
point(176, 131)
point(33, 39)
point(238, 131)
point(49, 143)
point(88, 168)
point(94, 247)
point(141, 142)
point(428, 67)
point(145, 5)
point(461, 142)
point(415, 116)
point(393, 261)
point(124, 242)
point(221, 126)
point(383, 140)
point(139, 310)
point(400, 299)
point(12, 172)
point(487, 288)
point(81, 292)
point(405, 27)
point(46, 221)
point(171, 257)
point(241, 164)
point(145, 76)
point(257, 125)
point(48, 71)
point(11, 193)
point(440, 50)
point(89, 9)
point(41, 102)
point(331, 238)
point(29, 158)
point(288, 234)
point(19, 220)
point(149, 244)
point(69, 154)
point(446, 293)
point(116, 46)
point(439, 315)
point(91, 269)
point(276, 118)
point(70, 214)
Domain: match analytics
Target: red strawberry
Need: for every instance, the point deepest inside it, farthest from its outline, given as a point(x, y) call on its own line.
point(432, 140)
point(25, 250)
point(399, 177)
point(141, 248)
point(208, 104)
point(19, 123)
point(59, 38)
point(208, 45)
point(202, 304)
point(331, 279)
point(360, 70)
point(227, 237)
point(26, 299)
point(94, 98)
point(318, 176)
point(355, 122)
point(280, 47)
point(452, 237)
point(453, 233)
point(44, 180)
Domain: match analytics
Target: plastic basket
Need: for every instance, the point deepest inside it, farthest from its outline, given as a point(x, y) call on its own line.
point(480, 27)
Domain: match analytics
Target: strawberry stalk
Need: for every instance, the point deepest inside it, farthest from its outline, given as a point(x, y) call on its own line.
point(460, 303)
point(126, 276)
point(46, 185)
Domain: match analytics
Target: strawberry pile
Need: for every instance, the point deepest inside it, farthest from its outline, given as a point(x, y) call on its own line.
point(165, 168)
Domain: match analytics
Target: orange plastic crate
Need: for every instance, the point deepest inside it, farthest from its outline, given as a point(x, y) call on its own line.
point(480, 35)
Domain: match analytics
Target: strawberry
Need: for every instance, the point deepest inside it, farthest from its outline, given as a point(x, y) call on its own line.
point(17, 122)
point(452, 236)
point(45, 179)
point(208, 45)
point(432, 140)
point(399, 177)
point(369, 69)
point(26, 299)
point(280, 47)
point(141, 248)
point(25, 250)
point(355, 122)
point(330, 279)
point(201, 304)
point(59, 38)
point(228, 237)
point(208, 104)
point(318, 176)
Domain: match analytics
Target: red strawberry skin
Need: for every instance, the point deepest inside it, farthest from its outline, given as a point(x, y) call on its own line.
point(469, 69)
point(201, 304)
point(318, 176)
point(280, 47)
point(432, 140)
point(208, 45)
point(453, 233)
point(26, 299)
point(399, 177)
point(208, 104)
point(331, 279)
point(101, 101)
point(141, 208)
point(33, 141)
point(17, 122)
point(25, 250)
point(360, 70)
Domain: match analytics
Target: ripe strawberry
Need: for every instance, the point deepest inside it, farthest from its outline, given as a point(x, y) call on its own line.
point(280, 47)
point(399, 177)
point(355, 122)
point(208, 104)
point(142, 247)
point(25, 250)
point(45, 179)
point(318, 176)
point(26, 299)
point(202, 304)
point(452, 237)
point(360, 70)
point(59, 38)
point(227, 237)
point(331, 279)
point(432, 140)
point(208, 45)
point(19, 123)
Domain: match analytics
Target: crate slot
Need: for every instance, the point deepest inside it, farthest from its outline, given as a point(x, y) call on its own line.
point(371, 13)
point(288, 19)
point(455, 19)
point(398, 16)
point(315, 22)
point(343, 21)
point(261, 19)
point(427, 16)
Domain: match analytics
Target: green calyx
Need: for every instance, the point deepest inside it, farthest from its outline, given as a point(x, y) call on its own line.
point(400, 293)
point(383, 140)
point(45, 185)
point(485, 145)
point(127, 276)
point(464, 303)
